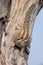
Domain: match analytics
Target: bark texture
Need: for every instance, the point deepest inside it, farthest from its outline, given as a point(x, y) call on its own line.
point(16, 25)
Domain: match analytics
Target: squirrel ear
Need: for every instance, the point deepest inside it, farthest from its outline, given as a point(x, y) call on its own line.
point(40, 2)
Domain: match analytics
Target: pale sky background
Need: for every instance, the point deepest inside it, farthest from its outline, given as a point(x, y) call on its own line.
point(36, 50)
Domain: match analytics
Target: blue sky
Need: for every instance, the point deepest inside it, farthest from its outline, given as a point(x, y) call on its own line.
point(36, 50)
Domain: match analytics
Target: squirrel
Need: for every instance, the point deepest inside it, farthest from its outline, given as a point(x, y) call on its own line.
point(22, 39)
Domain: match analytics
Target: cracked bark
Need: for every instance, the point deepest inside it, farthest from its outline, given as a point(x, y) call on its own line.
point(14, 48)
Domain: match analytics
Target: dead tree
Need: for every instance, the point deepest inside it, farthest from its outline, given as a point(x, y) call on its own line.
point(17, 31)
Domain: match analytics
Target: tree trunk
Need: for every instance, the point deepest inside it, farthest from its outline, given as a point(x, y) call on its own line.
point(17, 33)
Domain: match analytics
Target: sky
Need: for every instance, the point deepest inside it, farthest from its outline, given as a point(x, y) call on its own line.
point(36, 50)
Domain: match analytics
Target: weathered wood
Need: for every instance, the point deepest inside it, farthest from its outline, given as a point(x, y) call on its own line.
point(16, 38)
point(4, 8)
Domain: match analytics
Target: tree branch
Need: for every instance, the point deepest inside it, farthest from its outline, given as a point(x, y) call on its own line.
point(16, 38)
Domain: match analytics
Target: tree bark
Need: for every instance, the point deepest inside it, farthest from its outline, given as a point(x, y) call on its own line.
point(16, 38)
